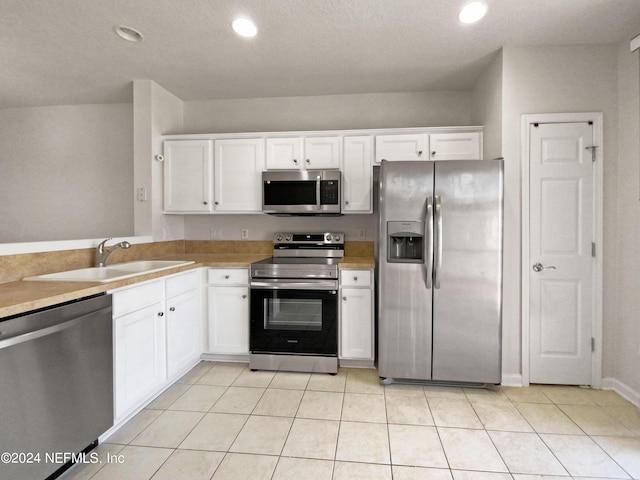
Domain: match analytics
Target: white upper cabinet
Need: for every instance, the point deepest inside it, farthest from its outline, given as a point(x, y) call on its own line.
point(322, 153)
point(284, 153)
point(299, 153)
point(411, 146)
point(455, 146)
point(238, 175)
point(188, 176)
point(357, 174)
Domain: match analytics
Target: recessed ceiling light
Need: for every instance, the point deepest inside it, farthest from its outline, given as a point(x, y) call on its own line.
point(472, 12)
point(244, 27)
point(128, 33)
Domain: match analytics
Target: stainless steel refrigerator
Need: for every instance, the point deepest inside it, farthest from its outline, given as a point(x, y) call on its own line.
point(440, 271)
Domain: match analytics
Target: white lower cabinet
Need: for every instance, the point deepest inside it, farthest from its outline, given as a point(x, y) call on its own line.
point(184, 322)
point(157, 336)
point(356, 346)
point(228, 311)
point(139, 345)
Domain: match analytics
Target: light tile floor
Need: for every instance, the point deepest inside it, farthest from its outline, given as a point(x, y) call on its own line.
point(223, 422)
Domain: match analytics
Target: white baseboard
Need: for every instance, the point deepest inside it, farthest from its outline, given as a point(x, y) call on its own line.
point(511, 380)
point(624, 390)
point(223, 357)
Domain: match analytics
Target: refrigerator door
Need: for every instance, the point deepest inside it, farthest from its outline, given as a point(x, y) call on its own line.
point(404, 313)
point(467, 295)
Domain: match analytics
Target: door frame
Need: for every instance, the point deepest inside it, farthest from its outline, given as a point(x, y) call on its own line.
point(598, 235)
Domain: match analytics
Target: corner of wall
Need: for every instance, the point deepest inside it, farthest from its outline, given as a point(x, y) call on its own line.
point(156, 112)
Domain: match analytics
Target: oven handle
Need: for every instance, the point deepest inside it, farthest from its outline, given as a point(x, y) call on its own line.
point(297, 285)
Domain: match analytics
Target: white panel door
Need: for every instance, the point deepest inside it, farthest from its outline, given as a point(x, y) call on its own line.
point(228, 320)
point(188, 176)
point(561, 263)
point(139, 357)
point(238, 175)
point(357, 175)
point(284, 153)
point(184, 331)
point(322, 152)
point(455, 146)
point(411, 146)
point(356, 322)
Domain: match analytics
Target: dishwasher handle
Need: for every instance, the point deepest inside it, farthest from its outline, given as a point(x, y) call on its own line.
point(43, 332)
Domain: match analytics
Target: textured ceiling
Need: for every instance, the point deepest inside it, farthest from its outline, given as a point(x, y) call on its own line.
point(65, 51)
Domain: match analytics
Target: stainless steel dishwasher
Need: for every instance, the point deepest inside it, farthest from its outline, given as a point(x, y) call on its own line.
point(56, 386)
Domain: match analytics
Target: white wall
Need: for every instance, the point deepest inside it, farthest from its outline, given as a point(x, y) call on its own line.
point(554, 80)
point(487, 107)
point(67, 172)
point(623, 333)
point(156, 112)
point(330, 112)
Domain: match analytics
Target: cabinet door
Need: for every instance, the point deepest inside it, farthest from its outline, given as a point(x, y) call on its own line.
point(228, 320)
point(284, 153)
point(188, 176)
point(238, 175)
point(356, 324)
point(322, 153)
point(357, 172)
point(413, 146)
point(455, 146)
point(184, 331)
point(139, 363)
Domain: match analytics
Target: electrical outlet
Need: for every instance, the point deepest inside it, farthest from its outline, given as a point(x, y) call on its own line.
point(244, 233)
point(141, 194)
point(216, 233)
point(362, 233)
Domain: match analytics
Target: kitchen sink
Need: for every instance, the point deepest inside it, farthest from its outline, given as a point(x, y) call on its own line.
point(110, 273)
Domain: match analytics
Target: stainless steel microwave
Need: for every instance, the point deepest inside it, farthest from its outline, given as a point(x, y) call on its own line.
point(304, 192)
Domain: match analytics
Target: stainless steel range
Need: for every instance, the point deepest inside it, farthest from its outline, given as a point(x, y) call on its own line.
point(294, 304)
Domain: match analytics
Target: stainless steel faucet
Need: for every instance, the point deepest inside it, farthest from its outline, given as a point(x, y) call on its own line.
point(102, 254)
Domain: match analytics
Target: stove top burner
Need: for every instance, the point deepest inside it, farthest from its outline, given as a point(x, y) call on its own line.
point(302, 255)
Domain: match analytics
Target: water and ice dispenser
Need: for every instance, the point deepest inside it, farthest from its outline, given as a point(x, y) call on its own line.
point(405, 242)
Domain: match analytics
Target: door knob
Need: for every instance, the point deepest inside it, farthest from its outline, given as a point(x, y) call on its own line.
point(538, 267)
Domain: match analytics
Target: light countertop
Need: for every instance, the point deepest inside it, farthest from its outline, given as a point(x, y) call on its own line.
point(23, 296)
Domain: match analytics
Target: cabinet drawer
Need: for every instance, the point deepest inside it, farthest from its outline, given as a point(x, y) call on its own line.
point(134, 298)
point(228, 276)
point(182, 282)
point(355, 278)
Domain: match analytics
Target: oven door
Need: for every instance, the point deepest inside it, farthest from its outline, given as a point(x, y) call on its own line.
point(294, 317)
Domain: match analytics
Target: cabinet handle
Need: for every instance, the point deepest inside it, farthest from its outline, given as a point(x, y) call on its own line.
point(244, 296)
point(419, 153)
point(308, 161)
point(161, 314)
point(226, 277)
point(355, 279)
point(433, 153)
point(204, 203)
point(346, 202)
point(172, 309)
point(344, 298)
point(217, 203)
point(295, 160)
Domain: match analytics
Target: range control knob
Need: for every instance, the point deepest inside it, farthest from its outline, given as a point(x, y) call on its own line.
point(328, 237)
point(279, 237)
point(287, 237)
point(337, 238)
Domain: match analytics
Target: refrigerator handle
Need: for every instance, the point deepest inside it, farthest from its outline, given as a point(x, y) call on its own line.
point(438, 242)
point(428, 244)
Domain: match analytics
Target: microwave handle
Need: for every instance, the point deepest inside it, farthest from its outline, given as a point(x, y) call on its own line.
point(318, 204)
